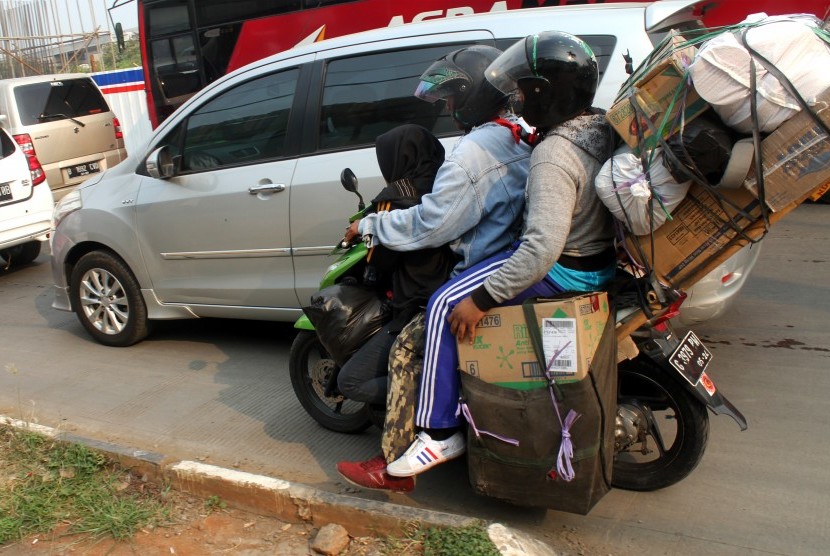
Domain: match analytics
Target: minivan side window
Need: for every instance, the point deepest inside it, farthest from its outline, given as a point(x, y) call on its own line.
point(365, 96)
point(242, 125)
point(50, 101)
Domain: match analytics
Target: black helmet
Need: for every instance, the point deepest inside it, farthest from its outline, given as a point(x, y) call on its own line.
point(460, 74)
point(555, 71)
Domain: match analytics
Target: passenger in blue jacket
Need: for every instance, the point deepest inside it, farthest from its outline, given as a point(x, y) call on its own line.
point(477, 200)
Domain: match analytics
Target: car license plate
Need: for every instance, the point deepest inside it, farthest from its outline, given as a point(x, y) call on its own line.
point(5, 192)
point(84, 169)
point(691, 358)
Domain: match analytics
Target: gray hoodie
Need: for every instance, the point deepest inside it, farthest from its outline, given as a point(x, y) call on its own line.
point(563, 214)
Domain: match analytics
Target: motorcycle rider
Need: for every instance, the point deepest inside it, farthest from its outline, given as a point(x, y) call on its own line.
point(409, 157)
point(477, 198)
point(567, 239)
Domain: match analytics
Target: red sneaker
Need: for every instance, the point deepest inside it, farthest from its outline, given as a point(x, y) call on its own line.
point(372, 474)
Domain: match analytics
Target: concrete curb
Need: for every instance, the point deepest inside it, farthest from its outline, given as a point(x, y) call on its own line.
point(282, 499)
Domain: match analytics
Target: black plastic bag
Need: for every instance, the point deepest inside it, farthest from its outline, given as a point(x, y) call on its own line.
point(704, 147)
point(345, 316)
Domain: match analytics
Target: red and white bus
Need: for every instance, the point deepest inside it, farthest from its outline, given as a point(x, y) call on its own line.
point(187, 44)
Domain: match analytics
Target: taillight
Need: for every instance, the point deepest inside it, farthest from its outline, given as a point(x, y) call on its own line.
point(35, 169)
point(119, 133)
point(25, 142)
point(671, 311)
point(38, 175)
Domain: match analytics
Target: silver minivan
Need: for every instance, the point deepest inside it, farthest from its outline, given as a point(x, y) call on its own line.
point(233, 205)
point(66, 122)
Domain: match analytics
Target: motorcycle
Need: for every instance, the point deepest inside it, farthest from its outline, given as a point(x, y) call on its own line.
point(664, 390)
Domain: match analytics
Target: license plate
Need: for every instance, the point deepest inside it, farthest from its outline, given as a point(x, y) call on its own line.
point(84, 169)
point(5, 192)
point(691, 358)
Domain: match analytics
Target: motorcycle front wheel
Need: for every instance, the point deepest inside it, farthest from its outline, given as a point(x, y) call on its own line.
point(662, 429)
point(311, 368)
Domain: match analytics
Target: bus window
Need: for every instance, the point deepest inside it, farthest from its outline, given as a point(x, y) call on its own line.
point(367, 95)
point(214, 12)
point(171, 17)
point(175, 67)
point(217, 47)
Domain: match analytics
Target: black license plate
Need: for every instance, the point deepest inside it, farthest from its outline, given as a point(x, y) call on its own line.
point(691, 358)
point(84, 169)
point(5, 192)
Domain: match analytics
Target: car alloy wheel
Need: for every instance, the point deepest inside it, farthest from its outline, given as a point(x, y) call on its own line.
point(107, 300)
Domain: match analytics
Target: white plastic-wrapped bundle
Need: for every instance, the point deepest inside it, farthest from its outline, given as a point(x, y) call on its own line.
point(721, 70)
point(622, 186)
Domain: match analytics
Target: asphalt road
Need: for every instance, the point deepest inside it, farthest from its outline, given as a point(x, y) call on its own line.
point(218, 391)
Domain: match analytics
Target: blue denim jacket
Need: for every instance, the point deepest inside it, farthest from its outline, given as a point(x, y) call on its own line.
point(476, 202)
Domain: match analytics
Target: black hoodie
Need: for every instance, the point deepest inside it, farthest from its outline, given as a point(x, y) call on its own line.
point(409, 157)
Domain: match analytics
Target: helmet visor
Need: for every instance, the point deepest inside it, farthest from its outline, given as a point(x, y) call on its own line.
point(513, 65)
point(439, 82)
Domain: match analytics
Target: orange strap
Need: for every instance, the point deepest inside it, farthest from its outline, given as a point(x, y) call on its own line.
point(382, 207)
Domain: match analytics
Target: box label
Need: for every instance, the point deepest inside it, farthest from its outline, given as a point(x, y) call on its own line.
point(559, 345)
point(489, 321)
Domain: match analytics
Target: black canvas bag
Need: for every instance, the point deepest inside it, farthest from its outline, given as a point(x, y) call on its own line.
point(526, 474)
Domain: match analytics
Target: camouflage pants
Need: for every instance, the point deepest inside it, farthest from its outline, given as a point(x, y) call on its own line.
point(406, 359)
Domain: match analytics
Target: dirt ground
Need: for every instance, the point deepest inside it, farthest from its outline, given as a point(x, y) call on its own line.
point(195, 532)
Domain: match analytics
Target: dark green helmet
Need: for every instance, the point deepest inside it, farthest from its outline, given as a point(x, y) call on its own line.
point(460, 74)
point(556, 73)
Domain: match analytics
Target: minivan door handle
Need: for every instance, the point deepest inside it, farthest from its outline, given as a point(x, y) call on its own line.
point(266, 188)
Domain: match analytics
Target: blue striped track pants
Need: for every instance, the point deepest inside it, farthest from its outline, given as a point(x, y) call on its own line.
point(439, 388)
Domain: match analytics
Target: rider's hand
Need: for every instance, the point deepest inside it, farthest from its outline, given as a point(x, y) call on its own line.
point(351, 231)
point(464, 318)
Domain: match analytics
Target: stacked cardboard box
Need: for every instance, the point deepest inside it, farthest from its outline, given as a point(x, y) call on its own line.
point(796, 158)
point(502, 352)
point(656, 87)
point(709, 226)
point(702, 226)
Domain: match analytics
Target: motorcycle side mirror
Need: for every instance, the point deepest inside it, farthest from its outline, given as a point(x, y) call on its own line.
point(349, 182)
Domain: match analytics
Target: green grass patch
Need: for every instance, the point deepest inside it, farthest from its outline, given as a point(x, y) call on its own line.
point(45, 482)
point(472, 540)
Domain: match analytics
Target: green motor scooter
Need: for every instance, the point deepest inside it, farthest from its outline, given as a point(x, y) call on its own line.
point(313, 371)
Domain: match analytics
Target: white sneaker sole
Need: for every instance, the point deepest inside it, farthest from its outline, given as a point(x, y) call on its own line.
point(423, 467)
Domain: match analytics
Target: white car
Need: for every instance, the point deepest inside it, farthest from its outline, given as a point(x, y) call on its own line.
point(712, 296)
point(25, 204)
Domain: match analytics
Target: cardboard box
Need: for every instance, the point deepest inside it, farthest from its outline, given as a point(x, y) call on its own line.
point(796, 158)
point(820, 192)
point(700, 229)
point(653, 87)
point(674, 49)
point(502, 352)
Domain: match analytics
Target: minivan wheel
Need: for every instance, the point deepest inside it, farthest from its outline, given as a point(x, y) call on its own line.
point(21, 254)
point(106, 297)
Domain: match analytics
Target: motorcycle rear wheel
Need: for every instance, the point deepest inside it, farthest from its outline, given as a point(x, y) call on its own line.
point(673, 414)
point(310, 368)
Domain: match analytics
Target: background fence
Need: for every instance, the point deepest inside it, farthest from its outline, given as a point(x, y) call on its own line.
point(39, 37)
